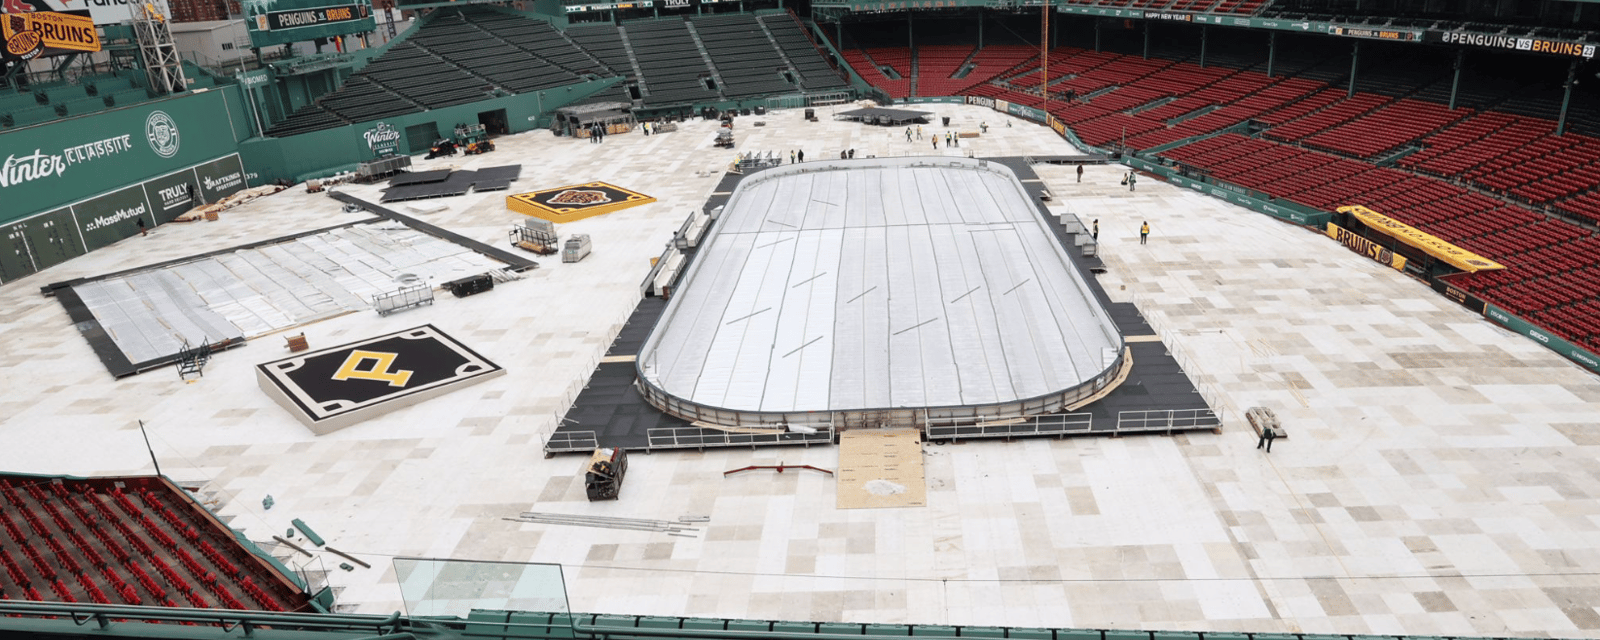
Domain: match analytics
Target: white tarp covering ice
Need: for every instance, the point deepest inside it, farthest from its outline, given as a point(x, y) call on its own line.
point(151, 314)
point(864, 285)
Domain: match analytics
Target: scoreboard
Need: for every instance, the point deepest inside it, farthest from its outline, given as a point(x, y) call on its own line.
point(275, 22)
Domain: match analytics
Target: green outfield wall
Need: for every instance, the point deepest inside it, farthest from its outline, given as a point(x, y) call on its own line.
point(330, 151)
point(71, 186)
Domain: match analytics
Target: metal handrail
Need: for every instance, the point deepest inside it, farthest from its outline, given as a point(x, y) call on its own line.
point(106, 614)
point(696, 437)
point(1048, 425)
point(569, 441)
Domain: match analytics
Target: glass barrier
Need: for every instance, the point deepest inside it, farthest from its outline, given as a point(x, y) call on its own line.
point(437, 587)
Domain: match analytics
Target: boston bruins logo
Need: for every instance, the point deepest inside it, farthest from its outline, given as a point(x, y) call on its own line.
point(580, 197)
point(24, 44)
point(162, 132)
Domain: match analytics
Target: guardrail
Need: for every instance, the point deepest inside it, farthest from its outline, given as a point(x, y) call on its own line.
point(697, 438)
point(128, 621)
point(115, 621)
point(1167, 420)
point(1051, 425)
point(402, 299)
point(571, 442)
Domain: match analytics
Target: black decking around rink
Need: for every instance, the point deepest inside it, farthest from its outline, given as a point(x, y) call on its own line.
point(443, 183)
point(609, 412)
point(887, 117)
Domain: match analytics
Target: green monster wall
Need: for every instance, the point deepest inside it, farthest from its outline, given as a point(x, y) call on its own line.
point(74, 185)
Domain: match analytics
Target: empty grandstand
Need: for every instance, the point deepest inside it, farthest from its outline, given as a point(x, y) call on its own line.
point(1318, 129)
point(464, 55)
point(130, 541)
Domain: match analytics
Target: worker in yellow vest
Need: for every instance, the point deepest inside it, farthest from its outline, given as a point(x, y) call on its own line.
point(1144, 232)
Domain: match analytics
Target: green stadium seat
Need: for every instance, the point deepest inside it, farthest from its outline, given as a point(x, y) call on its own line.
point(754, 626)
point(33, 115)
point(654, 622)
point(81, 106)
point(794, 627)
point(703, 624)
point(128, 96)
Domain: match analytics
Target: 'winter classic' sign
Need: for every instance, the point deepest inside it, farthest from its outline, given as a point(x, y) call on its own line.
point(382, 139)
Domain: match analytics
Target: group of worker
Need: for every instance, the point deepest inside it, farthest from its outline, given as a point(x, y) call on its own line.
point(951, 139)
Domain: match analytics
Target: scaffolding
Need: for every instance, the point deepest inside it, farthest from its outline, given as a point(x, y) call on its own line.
point(160, 53)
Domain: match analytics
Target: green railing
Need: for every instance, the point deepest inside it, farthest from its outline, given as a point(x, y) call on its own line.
point(1583, 357)
point(56, 619)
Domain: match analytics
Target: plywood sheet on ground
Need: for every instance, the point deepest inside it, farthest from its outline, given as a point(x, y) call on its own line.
point(881, 468)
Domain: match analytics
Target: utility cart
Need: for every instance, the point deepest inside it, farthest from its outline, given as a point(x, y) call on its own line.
point(473, 139)
point(602, 477)
point(536, 235)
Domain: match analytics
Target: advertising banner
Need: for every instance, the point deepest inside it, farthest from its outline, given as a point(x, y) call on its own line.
point(48, 33)
point(1433, 246)
point(1397, 35)
point(172, 195)
point(1513, 43)
point(1366, 247)
point(99, 11)
point(1056, 125)
point(1458, 295)
point(220, 178)
point(1174, 16)
point(44, 240)
point(276, 22)
point(1024, 111)
point(613, 6)
point(55, 164)
point(113, 216)
point(1577, 354)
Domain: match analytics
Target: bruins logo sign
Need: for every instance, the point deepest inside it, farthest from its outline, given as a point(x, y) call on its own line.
point(576, 201)
point(580, 197)
point(25, 44)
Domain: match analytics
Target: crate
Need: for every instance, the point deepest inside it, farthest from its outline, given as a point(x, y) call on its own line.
point(470, 285)
point(577, 248)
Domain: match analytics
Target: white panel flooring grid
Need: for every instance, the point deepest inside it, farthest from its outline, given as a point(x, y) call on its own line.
point(250, 292)
point(889, 283)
